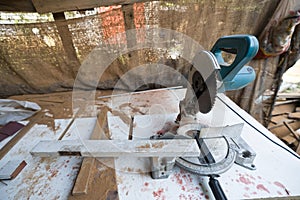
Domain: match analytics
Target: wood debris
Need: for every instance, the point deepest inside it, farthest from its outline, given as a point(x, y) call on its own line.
point(285, 120)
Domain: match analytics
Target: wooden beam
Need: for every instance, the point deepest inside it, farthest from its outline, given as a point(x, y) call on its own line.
point(67, 42)
point(17, 6)
point(128, 14)
point(84, 175)
point(117, 148)
point(54, 6)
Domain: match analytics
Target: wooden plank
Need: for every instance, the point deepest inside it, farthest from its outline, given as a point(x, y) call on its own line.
point(289, 95)
point(280, 119)
point(282, 130)
point(292, 130)
point(17, 6)
point(117, 148)
point(298, 149)
point(283, 108)
point(54, 6)
point(33, 120)
point(295, 115)
point(289, 139)
point(85, 173)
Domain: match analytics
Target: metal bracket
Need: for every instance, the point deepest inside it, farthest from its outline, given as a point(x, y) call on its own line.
point(161, 167)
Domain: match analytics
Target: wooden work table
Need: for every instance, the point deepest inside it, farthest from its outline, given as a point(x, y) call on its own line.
point(276, 174)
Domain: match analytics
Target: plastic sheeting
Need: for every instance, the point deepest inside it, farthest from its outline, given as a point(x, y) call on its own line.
point(13, 110)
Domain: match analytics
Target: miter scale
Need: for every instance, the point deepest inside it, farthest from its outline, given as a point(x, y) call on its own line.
point(220, 147)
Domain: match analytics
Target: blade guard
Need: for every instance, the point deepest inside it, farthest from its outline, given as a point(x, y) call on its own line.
point(236, 75)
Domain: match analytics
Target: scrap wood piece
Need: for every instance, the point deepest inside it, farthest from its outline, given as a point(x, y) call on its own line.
point(102, 182)
point(292, 131)
point(33, 120)
point(295, 115)
point(298, 149)
point(11, 169)
point(280, 119)
point(281, 130)
point(289, 95)
point(100, 132)
point(285, 107)
point(289, 139)
point(117, 148)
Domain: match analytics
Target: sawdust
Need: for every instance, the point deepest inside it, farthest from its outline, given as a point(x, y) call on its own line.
point(158, 145)
point(146, 146)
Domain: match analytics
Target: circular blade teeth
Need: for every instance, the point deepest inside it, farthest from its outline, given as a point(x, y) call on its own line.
point(203, 80)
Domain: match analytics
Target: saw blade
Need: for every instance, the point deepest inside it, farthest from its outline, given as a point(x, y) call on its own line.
point(202, 91)
point(204, 80)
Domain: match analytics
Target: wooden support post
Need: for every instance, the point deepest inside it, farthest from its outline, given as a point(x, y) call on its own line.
point(128, 14)
point(66, 38)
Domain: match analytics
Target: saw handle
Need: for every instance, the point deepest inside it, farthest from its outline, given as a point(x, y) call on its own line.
point(216, 188)
point(244, 46)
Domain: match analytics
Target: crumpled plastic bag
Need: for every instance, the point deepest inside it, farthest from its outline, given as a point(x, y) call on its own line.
point(276, 37)
point(13, 110)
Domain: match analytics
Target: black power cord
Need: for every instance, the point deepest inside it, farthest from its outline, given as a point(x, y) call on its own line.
point(288, 150)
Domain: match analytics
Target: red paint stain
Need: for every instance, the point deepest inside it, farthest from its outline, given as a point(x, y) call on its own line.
point(246, 195)
point(182, 197)
point(146, 184)
point(206, 196)
point(65, 166)
point(178, 178)
point(158, 193)
point(202, 194)
point(67, 161)
point(183, 188)
point(281, 186)
point(245, 180)
point(53, 172)
point(262, 187)
point(254, 193)
point(279, 193)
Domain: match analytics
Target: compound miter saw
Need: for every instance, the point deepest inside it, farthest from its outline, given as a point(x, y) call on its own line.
point(220, 147)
